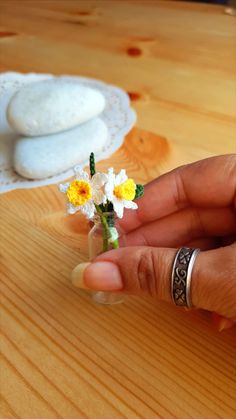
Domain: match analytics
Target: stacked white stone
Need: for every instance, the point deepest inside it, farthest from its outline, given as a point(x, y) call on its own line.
point(60, 126)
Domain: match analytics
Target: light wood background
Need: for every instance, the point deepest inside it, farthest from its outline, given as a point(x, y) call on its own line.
point(63, 356)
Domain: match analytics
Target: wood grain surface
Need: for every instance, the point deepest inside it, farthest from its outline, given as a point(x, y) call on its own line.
point(62, 355)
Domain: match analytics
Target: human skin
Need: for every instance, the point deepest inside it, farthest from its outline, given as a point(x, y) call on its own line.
point(192, 206)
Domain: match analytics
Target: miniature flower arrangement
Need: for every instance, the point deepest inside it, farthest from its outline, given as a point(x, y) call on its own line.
point(101, 197)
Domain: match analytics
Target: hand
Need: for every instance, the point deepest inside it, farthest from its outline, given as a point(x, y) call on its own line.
point(192, 206)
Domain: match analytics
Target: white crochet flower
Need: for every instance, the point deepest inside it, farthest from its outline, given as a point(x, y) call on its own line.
point(83, 193)
point(120, 191)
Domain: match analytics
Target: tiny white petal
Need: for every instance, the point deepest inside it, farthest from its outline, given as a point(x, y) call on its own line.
point(88, 209)
point(104, 199)
point(111, 175)
point(130, 204)
point(82, 175)
point(118, 208)
point(63, 187)
point(71, 209)
point(121, 177)
point(98, 180)
point(109, 185)
point(109, 188)
point(78, 168)
point(110, 171)
point(99, 197)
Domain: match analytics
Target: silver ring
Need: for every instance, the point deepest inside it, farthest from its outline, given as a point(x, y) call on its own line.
point(182, 275)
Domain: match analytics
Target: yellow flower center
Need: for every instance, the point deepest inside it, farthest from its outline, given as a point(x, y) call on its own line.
point(126, 190)
point(79, 192)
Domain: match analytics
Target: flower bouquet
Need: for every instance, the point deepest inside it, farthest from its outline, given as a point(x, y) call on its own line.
point(102, 197)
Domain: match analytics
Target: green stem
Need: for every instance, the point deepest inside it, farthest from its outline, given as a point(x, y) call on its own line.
point(105, 245)
point(106, 232)
point(115, 244)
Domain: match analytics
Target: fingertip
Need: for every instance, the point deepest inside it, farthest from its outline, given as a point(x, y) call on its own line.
point(103, 276)
point(225, 324)
point(221, 323)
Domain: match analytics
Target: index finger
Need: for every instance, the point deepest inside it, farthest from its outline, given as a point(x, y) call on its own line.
point(209, 183)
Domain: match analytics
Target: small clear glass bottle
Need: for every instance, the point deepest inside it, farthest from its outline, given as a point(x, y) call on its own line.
point(104, 236)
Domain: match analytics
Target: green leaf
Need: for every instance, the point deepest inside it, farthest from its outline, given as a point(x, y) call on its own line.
point(139, 191)
point(92, 164)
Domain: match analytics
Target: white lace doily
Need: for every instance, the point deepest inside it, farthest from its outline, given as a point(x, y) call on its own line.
point(118, 116)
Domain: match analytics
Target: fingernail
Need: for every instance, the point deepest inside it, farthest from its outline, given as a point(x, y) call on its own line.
point(102, 276)
point(225, 324)
point(77, 275)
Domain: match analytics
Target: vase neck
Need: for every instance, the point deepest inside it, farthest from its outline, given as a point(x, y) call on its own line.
point(109, 217)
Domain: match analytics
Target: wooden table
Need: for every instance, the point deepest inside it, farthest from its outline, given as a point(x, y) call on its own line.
point(62, 355)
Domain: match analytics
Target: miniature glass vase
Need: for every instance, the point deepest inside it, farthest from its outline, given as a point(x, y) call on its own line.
point(104, 236)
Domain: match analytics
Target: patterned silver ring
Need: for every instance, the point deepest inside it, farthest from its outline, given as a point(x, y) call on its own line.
point(182, 275)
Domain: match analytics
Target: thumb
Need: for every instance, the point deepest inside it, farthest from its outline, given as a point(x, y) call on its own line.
point(132, 270)
point(147, 271)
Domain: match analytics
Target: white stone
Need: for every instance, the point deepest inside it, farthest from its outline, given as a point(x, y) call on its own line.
point(51, 106)
point(40, 157)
